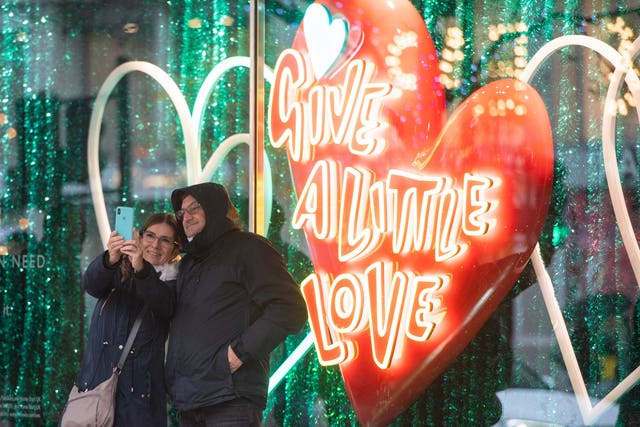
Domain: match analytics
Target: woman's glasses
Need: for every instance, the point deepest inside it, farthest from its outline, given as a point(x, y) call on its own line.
point(150, 237)
point(191, 209)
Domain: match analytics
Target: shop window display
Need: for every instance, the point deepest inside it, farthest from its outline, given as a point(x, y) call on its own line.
point(55, 57)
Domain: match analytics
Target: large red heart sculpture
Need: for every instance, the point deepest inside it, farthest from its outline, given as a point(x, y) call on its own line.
point(416, 230)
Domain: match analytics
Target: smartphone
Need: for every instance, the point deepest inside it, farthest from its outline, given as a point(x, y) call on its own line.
point(124, 222)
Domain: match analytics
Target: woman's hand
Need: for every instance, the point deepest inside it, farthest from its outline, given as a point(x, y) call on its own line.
point(133, 249)
point(114, 247)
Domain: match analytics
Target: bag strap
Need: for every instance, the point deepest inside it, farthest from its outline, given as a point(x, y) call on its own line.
point(130, 338)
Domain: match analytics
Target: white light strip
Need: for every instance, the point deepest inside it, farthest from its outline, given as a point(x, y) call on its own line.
point(290, 362)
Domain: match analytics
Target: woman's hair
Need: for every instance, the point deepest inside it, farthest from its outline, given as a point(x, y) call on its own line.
point(234, 216)
point(156, 218)
point(161, 218)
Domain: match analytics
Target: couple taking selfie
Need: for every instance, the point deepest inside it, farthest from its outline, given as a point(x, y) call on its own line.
point(224, 306)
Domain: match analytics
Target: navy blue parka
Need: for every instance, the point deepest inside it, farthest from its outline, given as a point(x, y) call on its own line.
point(141, 396)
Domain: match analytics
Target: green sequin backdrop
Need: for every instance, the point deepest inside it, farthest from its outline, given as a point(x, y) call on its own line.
point(54, 55)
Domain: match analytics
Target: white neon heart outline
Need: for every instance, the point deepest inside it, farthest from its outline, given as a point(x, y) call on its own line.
point(190, 130)
point(326, 38)
point(623, 66)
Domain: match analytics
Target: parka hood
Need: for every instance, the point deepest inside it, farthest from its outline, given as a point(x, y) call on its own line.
point(215, 201)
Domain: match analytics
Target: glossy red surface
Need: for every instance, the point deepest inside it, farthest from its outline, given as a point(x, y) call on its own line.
point(418, 224)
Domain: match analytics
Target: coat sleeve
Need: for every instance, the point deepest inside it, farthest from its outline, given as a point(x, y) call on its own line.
point(157, 294)
point(98, 278)
point(273, 289)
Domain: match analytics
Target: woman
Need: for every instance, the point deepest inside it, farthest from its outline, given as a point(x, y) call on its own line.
point(128, 275)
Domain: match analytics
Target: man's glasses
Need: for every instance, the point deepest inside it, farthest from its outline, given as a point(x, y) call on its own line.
point(150, 237)
point(191, 209)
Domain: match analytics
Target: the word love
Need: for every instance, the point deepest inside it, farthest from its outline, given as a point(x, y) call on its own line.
point(388, 304)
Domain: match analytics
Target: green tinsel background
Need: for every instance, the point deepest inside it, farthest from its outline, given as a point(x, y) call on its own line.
point(55, 55)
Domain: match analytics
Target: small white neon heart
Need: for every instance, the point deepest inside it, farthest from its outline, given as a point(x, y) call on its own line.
point(326, 38)
point(590, 413)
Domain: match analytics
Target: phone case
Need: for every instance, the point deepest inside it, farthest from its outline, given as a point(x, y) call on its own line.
point(124, 222)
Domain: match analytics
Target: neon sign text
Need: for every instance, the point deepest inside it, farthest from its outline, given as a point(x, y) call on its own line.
point(337, 115)
point(363, 215)
point(422, 213)
point(392, 304)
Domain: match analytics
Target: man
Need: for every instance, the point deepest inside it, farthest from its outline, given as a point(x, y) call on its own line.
point(236, 302)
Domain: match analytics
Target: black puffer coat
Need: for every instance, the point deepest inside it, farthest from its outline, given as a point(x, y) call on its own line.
point(141, 396)
point(233, 289)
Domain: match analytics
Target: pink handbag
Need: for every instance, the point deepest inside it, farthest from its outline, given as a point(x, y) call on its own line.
point(97, 407)
point(92, 408)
